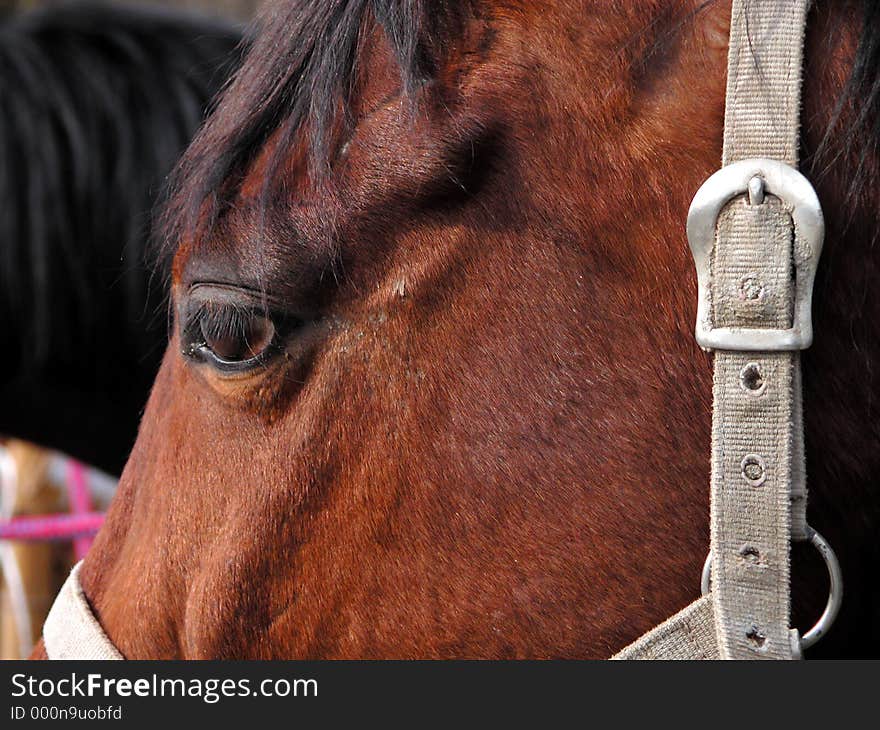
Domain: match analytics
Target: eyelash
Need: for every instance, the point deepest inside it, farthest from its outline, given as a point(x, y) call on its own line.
point(223, 320)
point(211, 322)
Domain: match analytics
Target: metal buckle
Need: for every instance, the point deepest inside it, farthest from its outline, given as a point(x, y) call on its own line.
point(798, 195)
point(835, 590)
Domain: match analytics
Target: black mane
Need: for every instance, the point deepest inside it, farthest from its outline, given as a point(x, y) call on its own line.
point(97, 104)
point(861, 140)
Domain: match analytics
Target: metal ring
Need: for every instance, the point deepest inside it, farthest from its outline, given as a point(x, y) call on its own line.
point(706, 577)
point(835, 589)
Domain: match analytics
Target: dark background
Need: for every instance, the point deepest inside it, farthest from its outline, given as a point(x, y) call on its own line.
point(243, 9)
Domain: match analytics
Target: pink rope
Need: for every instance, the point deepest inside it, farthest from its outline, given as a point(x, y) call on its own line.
point(51, 527)
point(80, 503)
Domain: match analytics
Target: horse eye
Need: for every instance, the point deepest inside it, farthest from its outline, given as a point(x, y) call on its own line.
point(250, 339)
point(230, 338)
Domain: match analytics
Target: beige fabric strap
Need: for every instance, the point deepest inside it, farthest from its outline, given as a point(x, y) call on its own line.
point(71, 630)
point(764, 65)
point(798, 486)
point(690, 634)
point(758, 501)
point(757, 432)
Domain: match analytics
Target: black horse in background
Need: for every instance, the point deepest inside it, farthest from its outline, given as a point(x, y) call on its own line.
point(96, 104)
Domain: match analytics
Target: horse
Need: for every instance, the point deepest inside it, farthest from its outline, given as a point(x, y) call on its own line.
point(432, 388)
point(98, 104)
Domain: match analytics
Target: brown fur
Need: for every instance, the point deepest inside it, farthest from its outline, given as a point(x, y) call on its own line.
point(494, 440)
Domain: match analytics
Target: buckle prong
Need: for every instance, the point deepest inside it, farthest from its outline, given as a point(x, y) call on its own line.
point(756, 190)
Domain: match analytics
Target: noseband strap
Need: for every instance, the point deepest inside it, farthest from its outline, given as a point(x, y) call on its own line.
point(71, 630)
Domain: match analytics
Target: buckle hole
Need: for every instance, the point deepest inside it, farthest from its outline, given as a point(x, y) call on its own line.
point(756, 638)
point(754, 470)
point(750, 554)
point(751, 380)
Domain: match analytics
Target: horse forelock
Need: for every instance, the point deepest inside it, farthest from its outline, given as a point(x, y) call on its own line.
point(300, 76)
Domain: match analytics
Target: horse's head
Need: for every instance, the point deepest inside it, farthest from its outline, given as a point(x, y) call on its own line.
point(432, 388)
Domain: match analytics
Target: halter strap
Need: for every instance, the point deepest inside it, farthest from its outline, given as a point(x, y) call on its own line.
point(71, 630)
point(755, 228)
point(757, 428)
